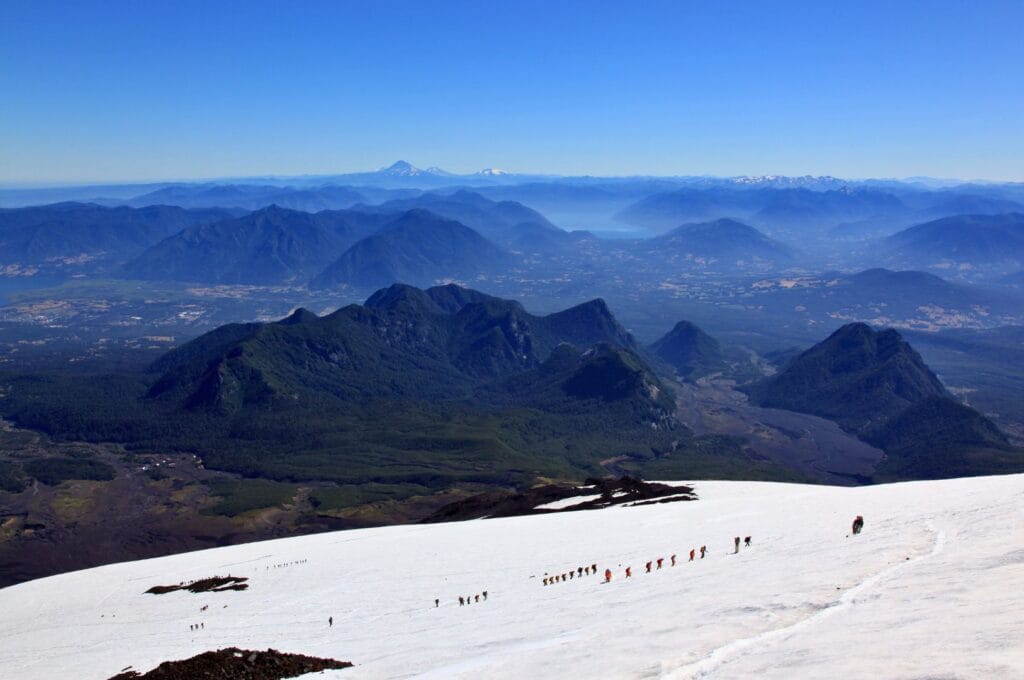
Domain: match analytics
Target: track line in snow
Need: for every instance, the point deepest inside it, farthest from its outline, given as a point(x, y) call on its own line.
point(151, 577)
point(722, 655)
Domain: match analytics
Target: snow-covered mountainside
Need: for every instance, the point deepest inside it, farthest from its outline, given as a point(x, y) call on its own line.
point(933, 587)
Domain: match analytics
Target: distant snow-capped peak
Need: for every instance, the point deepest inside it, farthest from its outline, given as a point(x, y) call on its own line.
point(492, 172)
point(785, 181)
point(406, 169)
point(402, 169)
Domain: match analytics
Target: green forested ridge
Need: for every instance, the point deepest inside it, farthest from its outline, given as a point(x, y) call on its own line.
point(421, 389)
point(856, 376)
point(938, 437)
point(874, 384)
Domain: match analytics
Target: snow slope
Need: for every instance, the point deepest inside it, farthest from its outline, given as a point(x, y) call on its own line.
point(934, 587)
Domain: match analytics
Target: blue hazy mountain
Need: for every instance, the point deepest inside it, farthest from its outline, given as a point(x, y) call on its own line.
point(955, 203)
point(91, 233)
point(579, 203)
point(507, 223)
point(101, 194)
point(722, 239)
point(253, 196)
point(272, 246)
point(802, 208)
point(972, 240)
point(779, 208)
point(419, 248)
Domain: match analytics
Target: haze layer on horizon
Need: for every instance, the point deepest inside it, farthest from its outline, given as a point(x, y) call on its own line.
point(137, 91)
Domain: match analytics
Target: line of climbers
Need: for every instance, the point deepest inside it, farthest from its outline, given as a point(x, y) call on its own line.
point(578, 572)
point(287, 564)
point(658, 563)
point(655, 564)
point(469, 599)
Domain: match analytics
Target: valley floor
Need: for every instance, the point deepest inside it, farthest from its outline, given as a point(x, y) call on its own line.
point(814, 446)
point(933, 587)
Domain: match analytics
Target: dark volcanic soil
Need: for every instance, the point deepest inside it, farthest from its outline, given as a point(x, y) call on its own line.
point(236, 664)
point(625, 490)
point(80, 524)
point(214, 584)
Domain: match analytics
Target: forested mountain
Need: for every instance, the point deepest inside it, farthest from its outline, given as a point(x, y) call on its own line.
point(89, 232)
point(856, 376)
point(271, 246)
point(404, 342)
point(876, 385)
point(455, 384)
point(690, 351)
point(419, 248)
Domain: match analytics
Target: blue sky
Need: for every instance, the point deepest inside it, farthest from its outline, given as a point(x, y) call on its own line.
point(159, 90)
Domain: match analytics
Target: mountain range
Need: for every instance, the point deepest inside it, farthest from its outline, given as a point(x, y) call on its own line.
point(387, 410)
point(427, 388)
point(448, 377)
point(781, 209)
point(850, 211)
point(89, 232)
point(406, 240)
point(271, 246)
point(295, 247)
point(153, 426)
point(405, 342)
point(404, 174)
point(507, 223)
point(253, 197)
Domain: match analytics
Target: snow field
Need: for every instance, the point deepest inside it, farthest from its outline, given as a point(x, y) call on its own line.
point(567, 502)
point(806, 600)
